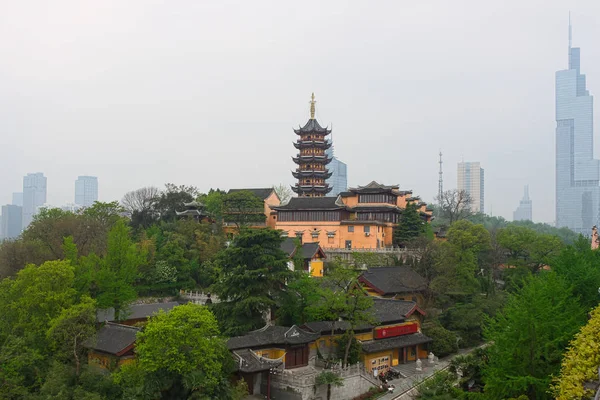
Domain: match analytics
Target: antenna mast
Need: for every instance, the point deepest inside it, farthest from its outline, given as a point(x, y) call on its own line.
point(441, 181)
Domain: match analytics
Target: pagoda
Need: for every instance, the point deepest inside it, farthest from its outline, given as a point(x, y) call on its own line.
point(312, 160)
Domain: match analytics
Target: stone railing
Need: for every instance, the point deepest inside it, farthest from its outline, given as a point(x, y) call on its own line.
point(197, 297)
point(307, 378)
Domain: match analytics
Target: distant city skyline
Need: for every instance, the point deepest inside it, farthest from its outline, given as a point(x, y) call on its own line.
point(524, 211)
point(471, 178)
point(11, 221)
point(86, 190)
point(78, 101)
point(577, 172)
point(34, 196)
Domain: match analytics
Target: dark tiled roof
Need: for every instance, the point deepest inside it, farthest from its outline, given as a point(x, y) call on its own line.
point(247, 361)
point(324, 327)
point(261, 193)
point(272, 336)
point(312, 126)
point(386, 311)
point(113, 338)
point(374, 187)
point(392, 280)
point(373, 346)
point(312, 203)
point(135, 311)
point(308, 250)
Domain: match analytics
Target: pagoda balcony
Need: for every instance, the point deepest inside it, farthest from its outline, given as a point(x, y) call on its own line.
point(311, 188)
point(311, 158)
point(316, 144)
point(298, 174)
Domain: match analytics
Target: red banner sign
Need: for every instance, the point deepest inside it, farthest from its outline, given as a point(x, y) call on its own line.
point(391, 331)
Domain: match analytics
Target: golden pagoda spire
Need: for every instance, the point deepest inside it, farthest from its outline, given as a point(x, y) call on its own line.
point(312, 106)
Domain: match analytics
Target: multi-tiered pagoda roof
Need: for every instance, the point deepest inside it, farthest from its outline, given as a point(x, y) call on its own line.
point(312, 172)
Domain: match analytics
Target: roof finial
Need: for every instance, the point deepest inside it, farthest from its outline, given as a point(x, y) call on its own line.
point(312, 106)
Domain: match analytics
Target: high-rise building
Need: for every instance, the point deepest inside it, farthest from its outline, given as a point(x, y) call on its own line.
point(86, 190)
point(17, 199)
point(312, 172)
point(577, 172)
point(339, 173)
point(12, 219)
point(524, 211)
point(471, 180)
point(34, 195)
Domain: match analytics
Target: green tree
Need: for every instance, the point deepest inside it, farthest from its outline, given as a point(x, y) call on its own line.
point(253, 275)
point(444, 341)
point(70, 329)
point(172, 199)
point(33, 298)
point(578, 265)
point(581, 362)
point(186, 346)
point(459, 264)
point(411, 225)
point(527, 248)
point(119, 270)
point(329, 378)
point(243, 208)
point(529, 336)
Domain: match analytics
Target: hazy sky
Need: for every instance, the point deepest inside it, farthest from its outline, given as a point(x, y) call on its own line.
point(206, 93)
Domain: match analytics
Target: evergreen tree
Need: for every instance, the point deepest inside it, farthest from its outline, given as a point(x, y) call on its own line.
point(253, 274)
point(411, 225)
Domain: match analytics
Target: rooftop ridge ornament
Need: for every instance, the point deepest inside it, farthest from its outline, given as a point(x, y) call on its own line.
point(312, 106)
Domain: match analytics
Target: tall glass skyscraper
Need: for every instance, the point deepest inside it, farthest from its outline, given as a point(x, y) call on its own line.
point(577, 172)
point(34, 196)
point(86, 190)
point(339, 174)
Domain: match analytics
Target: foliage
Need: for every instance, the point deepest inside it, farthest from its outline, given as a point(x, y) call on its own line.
point(283, 192)
point(527, 248)
point(70, 329)
point(172, 199)
point(297, 301)
point(355, 348)
point(243, 208)
point(185, 347)
point(329, 378)
point(466, 318)
point(529, 336)
point(410, 226)
point(253, 275)
point(445, 342)
point(578, 265)
point(440, 386)
point(581, 362)
point(454, 205)
point(340, 296)
point(119, 270)
point(34, 298)
point(367, 259)
point(469, 369)
point(458, 268)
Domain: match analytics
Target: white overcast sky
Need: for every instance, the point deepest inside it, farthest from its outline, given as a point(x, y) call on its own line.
point(206, 93)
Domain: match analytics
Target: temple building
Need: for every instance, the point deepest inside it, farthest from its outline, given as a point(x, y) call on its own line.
point(312, 160)
point(362, 217)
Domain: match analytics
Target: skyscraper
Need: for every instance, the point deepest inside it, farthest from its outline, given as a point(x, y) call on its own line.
point(339, 177)
point(34, 195)
point(577, 172)
point(86, 190)
point(12, 219)
point(17, 199)
point(471, 180)
point(524, 211)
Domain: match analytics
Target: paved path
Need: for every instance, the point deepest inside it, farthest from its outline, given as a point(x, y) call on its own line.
point(405, 388)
